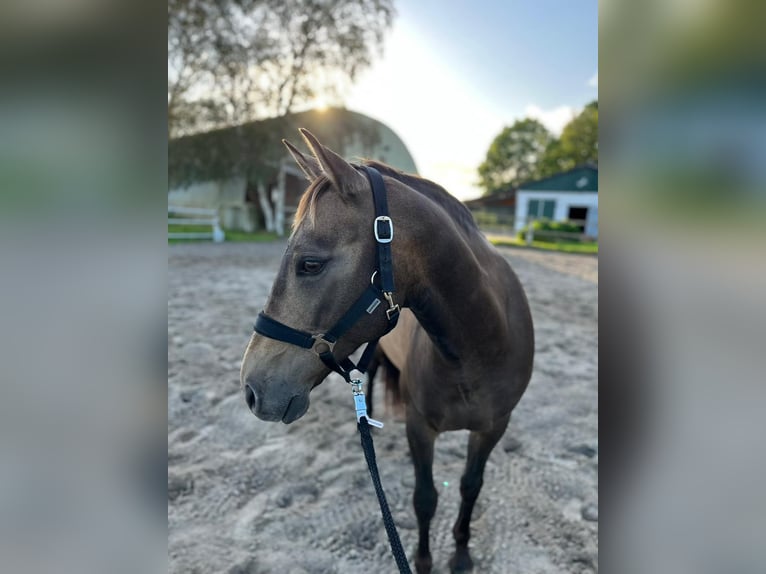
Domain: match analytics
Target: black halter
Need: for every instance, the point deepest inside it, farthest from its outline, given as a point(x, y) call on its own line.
point(323, 343)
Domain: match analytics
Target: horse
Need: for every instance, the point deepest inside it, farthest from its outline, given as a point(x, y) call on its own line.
point(462, 348)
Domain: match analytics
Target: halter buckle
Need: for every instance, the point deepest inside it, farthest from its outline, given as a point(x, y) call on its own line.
point(383, 228)
point(320, 340)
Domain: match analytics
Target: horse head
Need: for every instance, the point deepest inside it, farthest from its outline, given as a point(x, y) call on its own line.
point(329, 262)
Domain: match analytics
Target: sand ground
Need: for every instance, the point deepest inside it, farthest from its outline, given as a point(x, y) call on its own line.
point(247, 497)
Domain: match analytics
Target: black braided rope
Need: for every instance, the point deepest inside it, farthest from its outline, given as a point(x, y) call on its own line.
point(388, 520)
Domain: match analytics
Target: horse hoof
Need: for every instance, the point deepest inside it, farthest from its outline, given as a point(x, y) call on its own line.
point(423, 565)
point(461, 562)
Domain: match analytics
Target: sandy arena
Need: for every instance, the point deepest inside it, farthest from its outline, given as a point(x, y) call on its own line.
point(250, 497)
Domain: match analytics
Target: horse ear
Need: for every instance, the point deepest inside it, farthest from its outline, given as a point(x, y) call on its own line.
point(343, 175)
point(308, 164)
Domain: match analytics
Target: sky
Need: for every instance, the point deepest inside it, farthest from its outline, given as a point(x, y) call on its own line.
point(453, 74)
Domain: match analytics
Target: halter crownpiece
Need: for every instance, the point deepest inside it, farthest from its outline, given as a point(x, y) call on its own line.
point(323, 343)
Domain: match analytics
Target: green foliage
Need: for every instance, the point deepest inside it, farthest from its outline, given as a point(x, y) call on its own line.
point(232, 235)
point(579, 140)
point(234, 61)
point(250, 150)
point(589, 248)
point(236, 236)
point(254, 150)
point(527, 151)
point(578, 144)
point(513, 155)
point(553, 161)
point(183, 228)
point(554, 229)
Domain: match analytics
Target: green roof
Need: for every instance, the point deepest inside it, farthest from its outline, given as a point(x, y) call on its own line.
point(581, 178)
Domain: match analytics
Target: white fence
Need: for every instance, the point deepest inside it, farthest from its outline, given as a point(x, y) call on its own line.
point(195, 216)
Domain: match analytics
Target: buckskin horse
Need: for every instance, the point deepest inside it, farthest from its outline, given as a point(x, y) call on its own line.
point(463, 345)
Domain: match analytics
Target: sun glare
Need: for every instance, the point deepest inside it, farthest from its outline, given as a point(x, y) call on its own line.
point(320, 104)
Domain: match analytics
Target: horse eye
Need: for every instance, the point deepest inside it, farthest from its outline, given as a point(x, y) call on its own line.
point(311, 267)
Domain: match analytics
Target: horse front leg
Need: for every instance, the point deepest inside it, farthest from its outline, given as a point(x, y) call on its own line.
point(421, 439)
point(480, 445)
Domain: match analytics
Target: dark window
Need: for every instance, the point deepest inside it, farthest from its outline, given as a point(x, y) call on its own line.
point(578, 215)
point(541, 209)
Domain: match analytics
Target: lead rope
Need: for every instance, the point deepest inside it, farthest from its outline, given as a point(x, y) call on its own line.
point(322, 345)
point(388, 520)
point(363, 424)
point(384, 233)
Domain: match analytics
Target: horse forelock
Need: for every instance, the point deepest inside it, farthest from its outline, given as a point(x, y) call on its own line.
point(308, 201)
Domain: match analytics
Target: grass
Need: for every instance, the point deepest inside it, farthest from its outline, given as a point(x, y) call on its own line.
point(561, 246)
point(188, 229)
point(243, 236)
point(232, 236)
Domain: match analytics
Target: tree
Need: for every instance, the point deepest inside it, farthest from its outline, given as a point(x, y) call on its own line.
point(231, 62)
point(513, 155)
point(578, 144)
point(234, 61)
point(579, 140)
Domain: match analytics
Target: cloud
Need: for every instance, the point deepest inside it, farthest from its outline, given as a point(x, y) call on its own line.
point(554, 119)
point(593, 82)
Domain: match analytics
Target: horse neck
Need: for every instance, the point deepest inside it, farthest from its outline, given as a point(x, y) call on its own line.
point(455, 292)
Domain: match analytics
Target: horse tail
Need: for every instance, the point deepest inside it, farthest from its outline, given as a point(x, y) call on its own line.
point(393, 398)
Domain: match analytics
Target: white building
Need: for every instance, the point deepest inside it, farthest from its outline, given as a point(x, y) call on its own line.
point(568, 196)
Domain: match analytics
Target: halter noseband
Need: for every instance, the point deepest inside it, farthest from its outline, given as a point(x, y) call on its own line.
point(323, 343)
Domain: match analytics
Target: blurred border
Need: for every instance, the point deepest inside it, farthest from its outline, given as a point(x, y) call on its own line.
point(683, 168)
point(83, 257)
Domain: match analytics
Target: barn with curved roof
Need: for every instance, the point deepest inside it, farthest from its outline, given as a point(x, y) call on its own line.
point(246, 173)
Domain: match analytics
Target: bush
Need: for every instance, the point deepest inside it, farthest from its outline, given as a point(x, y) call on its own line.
point(540, 226)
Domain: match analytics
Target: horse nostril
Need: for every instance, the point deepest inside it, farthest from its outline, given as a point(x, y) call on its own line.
point(250, 397)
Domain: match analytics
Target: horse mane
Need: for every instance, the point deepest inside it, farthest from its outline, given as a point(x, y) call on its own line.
point(432, 191)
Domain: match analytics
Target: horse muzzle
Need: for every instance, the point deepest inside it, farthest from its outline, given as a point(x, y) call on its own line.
point(272, 408)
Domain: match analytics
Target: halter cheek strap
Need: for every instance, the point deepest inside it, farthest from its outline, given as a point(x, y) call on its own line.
point(367, 303)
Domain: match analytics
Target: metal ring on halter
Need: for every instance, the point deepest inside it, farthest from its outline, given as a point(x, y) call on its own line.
point(320, 340)
point(372, 279)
